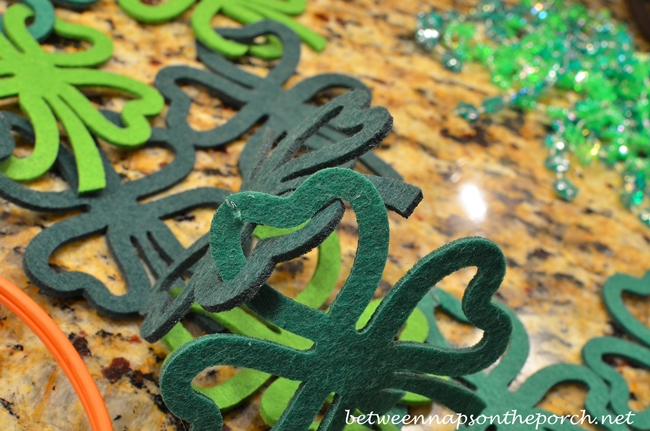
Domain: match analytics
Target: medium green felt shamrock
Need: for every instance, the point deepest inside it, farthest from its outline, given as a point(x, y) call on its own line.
point(243, 11)
point(45, 85)
point(43, 23)
point(494, 388)
point(366, 369)
point(597, 349)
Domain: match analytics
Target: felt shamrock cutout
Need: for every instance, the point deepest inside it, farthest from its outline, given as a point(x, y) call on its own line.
point(597, 349)
point(367, 370)
point(45, 84)
point(493, 388)
point(132, 228)
point(245, 12)
point(238, 321)
point(261, 100)
point(43, 23)
point(279, 173)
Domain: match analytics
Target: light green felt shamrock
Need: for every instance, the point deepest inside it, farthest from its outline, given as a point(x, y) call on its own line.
point(243, 11)
point(45, 84)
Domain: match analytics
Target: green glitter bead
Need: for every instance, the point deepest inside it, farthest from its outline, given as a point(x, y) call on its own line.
point(493, 104)
point(632, 199)
point(429, 20)
point(451, 62)
point(644, 216)
point(557, 163)
point(427, 38)
point(467, 111)
point(565, 189)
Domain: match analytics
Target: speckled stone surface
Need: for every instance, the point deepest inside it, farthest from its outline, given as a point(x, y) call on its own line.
point(559, 254)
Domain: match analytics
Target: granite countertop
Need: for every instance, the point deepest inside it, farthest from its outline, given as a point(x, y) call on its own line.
point(559, 254)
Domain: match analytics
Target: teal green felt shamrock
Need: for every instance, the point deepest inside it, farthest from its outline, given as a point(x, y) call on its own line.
point(243, 11)
point(366, 369)
point(597, 349)
point(494, 388)
point(43, 23)
point(45, 85)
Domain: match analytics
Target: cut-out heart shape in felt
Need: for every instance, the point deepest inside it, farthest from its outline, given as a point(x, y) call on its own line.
point(43, 23)
point(233, 391)
point(260, 100)
point(613, 299)
point(597, 349)
point(593, 355)
point(45, 84)
point(245, 12)
point(493, 388)
point(280, 173)
point(132, 228)
point(367, 370)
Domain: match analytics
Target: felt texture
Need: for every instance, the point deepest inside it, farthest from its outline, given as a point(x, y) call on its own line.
point(43, 23)
point(493, 388)
point(597, 349)
point(277, 173)
point(367, 370)
point(45, 84)
point(135, 231)
point(278, 395)
point(245, 12)
point(238, 321)
point(262, 99)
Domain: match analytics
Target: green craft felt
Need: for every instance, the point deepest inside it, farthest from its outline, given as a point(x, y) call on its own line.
point(133, 230)
point(596, 349)
point(45, 84)
point(43, 23)
point(594, 353)
point(493, 388)
point(245, 12)
point(279, 173)
point(368, 370)
point(238, 321)
point(276, 397)
point(613, 299)
point(261, 100)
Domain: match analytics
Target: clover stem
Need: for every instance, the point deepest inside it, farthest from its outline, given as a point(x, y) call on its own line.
point(89, 162)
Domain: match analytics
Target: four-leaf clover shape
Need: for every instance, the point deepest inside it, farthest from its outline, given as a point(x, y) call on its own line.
point(243, 11)
point(45, 84)
point(366, 369)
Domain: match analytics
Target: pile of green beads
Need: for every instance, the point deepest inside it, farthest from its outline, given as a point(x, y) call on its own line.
point(534, 49)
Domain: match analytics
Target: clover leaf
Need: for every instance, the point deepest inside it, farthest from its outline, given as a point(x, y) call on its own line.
point(243, 11)
point(43, 23)
point(494, 388)
point(263, 101)
point(597, 349)
point(366, 369)
point(137, 237)
point(45, 84)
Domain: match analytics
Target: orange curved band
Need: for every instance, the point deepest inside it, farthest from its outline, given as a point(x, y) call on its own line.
point(65, 354)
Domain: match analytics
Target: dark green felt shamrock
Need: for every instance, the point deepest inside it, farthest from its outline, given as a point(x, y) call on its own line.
point(366, 369)
point(46, 87)
point(597, 349)
point(43, 23)
point(281, 172)
point(246, 12)
point(135, 231)
point(493, 388)
point(261, 100)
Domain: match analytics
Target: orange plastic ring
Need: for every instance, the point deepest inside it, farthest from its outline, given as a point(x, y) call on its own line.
point(64, 352)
